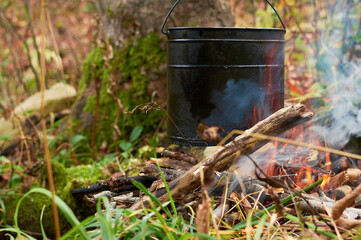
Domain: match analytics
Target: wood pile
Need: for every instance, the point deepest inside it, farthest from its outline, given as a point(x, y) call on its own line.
point(191, 181)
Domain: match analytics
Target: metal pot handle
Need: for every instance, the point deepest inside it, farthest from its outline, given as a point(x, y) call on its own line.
point(175, 4)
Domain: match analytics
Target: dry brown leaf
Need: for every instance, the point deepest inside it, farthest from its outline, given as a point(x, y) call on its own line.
point(209, 134)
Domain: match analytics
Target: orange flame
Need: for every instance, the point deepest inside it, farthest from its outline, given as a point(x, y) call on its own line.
point(325, 181)
point(328, 162)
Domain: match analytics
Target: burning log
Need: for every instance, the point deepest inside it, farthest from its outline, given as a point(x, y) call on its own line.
point(224, 156)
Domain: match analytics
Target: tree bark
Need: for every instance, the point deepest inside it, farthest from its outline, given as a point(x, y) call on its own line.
point(123, 19)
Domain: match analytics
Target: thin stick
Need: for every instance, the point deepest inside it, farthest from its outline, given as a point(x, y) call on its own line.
point(301, 144)
point(23, 138)
point(43, 123)
point(51, 29)
point(31, 27)
point(95, 121)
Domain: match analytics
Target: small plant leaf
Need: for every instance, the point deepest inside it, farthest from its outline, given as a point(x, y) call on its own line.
point(76, 139)
point(125, 146)
point(135, 133)
point(5, 137)
point(152, 197)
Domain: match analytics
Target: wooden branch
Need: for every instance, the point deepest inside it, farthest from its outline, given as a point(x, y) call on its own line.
point(180, 156)
point(351, 174)
point(319, 206)
point(224, 156)
point(348, 223)
point(345, 202)
point(169, 174)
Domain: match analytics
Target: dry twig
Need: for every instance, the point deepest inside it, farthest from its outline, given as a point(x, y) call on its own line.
point(46, 147)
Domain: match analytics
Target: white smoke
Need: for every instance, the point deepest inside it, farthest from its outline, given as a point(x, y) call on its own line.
point(340, 72)
point(235, 102)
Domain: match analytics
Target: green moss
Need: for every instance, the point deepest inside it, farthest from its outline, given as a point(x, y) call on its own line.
point(59, 174)
point(86, 173)
point(126, 73)
point(93, 59)
point(29, 213)
point(65, 179)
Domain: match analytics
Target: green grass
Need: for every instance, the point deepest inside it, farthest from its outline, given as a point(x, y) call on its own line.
point(161, 221)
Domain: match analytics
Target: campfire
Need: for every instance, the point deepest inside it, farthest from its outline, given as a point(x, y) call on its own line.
point(286, 167)
point(258, 169)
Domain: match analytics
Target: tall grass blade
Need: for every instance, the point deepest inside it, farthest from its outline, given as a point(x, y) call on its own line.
point(151, 196)
point(11, 229)
point(105, 219)
point(85, 223)
point(311, 226)
point(10, 236)
point(3, 212)
point(41, 224)
point(168, 191)
point(259, 230)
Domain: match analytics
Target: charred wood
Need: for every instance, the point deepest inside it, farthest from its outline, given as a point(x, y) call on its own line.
point(340, 165)
point(118, 185)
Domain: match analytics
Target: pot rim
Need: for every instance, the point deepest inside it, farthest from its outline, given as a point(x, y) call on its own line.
point(228, 28)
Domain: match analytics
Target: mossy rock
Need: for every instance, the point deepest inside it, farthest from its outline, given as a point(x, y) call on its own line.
point(65, 179)
point(30, 212)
